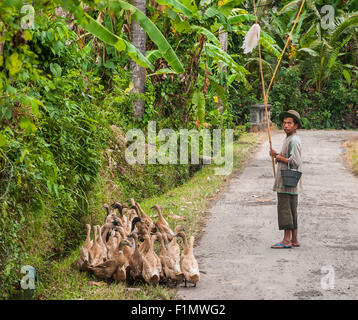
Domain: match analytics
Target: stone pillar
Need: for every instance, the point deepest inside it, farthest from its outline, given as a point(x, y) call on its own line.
point(258, 117)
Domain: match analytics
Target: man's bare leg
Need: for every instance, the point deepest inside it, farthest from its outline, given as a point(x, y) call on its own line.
point(286, 240)
point(294, 238)
point(287, 236)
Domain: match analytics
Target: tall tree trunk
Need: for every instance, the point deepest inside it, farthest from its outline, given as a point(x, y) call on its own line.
point(223, 37)
point(138, 72)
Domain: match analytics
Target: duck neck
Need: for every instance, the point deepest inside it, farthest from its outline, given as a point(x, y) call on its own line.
point(152, 240)
point(162, 244)
point(105, 234)
point(107, 210)
point(191, 242)
point(159, 212)
point(88, 238)
point(143, 215)
point(173, 241)
point(146, 243)
point(183, 236)
point(100, 240)
point(120, 209)
point(135, 243)
point(118, 243)
point(95, 235)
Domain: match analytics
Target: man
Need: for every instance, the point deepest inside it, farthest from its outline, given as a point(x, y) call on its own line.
point(287, 197)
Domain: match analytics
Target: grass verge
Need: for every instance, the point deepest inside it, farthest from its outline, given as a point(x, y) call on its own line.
point(351, 155)
point(186, 205)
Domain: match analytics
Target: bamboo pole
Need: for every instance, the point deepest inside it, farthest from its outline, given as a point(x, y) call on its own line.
point(265, 99)
point(284, 48)
point(264, 92)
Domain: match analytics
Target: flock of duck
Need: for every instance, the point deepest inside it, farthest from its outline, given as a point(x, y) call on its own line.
point(123, 248)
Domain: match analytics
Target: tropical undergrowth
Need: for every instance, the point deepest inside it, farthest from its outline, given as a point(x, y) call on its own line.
point(60, 121)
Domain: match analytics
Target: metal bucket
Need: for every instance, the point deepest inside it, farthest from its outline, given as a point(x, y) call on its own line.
point(290, 178)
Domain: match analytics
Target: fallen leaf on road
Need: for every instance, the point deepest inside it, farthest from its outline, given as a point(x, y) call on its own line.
point(263, 200)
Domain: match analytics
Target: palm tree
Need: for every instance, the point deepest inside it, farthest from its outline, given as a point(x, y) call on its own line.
point(138, 73)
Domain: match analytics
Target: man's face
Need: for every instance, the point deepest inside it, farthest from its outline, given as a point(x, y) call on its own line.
point(289, 126)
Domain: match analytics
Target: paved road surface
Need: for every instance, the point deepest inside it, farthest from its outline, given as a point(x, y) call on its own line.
point(234, 250)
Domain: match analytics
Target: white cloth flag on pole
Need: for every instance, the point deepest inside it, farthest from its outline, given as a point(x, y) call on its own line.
point(252, 38)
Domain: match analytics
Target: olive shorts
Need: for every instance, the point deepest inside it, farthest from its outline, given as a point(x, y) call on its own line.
point(287, 210)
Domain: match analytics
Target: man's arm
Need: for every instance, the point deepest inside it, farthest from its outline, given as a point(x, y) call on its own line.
point(295, 155)
point(278, 157)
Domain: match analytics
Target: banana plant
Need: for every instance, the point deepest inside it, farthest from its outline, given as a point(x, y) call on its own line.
point(152, 31)
point(206, 21)
point(108, 37)
point(104, 34)
point(314, 48)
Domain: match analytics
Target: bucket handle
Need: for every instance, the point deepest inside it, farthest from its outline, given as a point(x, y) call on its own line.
point(288, 166)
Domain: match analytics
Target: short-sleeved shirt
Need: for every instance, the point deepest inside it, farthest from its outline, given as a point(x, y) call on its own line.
point(291, 149)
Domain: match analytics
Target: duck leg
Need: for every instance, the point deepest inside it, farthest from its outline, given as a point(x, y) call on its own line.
point(185, 283)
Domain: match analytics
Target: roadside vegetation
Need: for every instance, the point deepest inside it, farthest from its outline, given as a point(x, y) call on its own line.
point(351, 155)
point(71, 88)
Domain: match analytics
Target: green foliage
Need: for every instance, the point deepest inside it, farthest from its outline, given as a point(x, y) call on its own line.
point(52, 133)
point(334, 107)
point(66, 99)
point(56, 117)
point(285, 94)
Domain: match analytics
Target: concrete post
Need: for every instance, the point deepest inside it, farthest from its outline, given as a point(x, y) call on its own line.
point(258, 117)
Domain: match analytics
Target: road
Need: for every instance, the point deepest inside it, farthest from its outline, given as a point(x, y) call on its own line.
point(234, 251)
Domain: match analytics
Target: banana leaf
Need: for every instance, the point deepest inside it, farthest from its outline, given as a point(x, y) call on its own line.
point(241, 18)
point(163, 71)
point(226, 6)
point(209, 35)
point(102, 33)
point(223, 57)
point(219, 90)
point(309, 51)
point(198, 101)
point(177, 6)
point(153, 55)
point(153, 32)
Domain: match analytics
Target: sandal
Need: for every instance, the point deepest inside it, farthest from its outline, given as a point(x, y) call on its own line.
point(281, 246)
